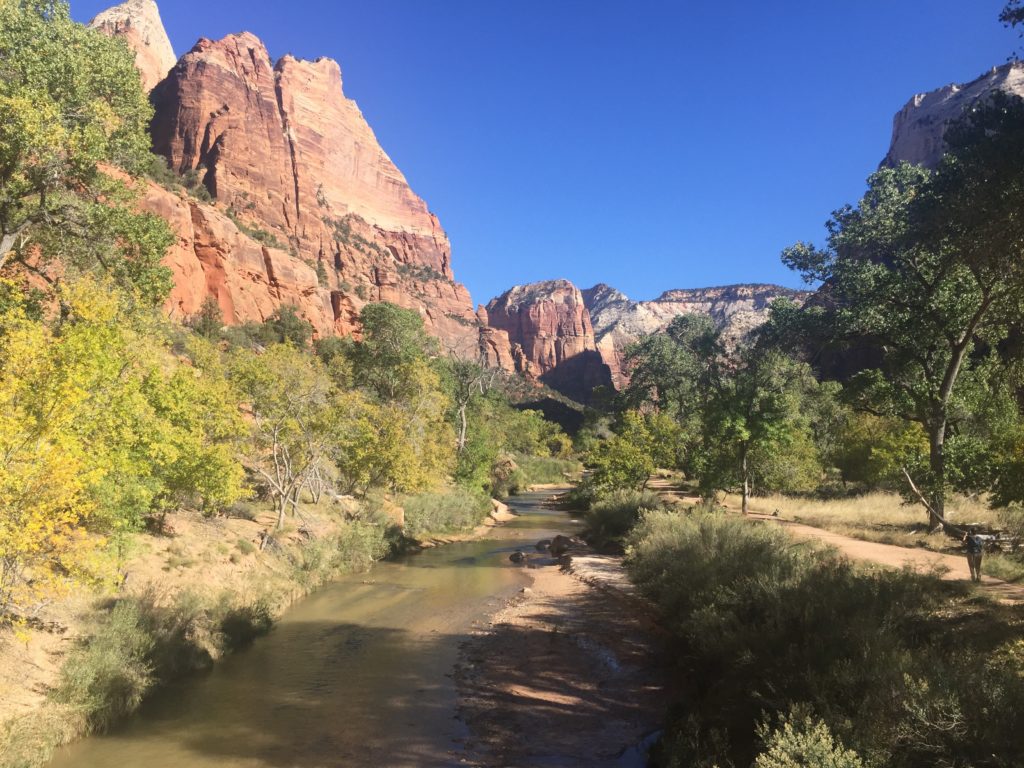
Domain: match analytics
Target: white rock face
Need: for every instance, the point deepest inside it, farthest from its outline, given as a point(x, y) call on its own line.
point(918, 129)
point(138, 23)
point(618, 321)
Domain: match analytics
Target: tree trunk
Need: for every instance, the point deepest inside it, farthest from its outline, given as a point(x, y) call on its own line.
point(937, 463)
point(746, 482)
point(462, 428)
point(282, 507)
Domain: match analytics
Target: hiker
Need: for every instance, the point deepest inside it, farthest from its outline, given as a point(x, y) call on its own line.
point(975, 549)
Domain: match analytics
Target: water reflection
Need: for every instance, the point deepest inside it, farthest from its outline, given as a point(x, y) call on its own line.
point(357, 674)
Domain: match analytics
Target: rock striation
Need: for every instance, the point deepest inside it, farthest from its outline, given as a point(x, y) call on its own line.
point(549, 335)
point(919, 128)
point(307, 207)
point(138, 23)
point(619, 321)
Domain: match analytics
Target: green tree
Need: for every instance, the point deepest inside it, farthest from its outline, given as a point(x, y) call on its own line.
point(72, 108)
point(288, 399)
point(624, 460)
point(393, 350)
point(286, 326)
point(756, 415)
point(924, 269)
point(208, 322)
point(674, 373)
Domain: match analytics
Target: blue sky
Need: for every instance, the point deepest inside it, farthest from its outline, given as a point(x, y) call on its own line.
point(646, 144)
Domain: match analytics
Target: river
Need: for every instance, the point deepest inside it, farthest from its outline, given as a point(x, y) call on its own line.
point(357, 674)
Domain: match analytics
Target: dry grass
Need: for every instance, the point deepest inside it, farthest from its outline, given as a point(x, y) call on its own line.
point(879, 516)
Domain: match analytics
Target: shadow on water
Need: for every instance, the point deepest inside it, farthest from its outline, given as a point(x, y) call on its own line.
point(359, 673)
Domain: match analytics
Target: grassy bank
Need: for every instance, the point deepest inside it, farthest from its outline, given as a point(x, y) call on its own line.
point(195, 592)
point(198, 589)
point(785, 650)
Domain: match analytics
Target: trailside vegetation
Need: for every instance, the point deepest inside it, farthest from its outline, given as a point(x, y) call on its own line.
point(786, 654)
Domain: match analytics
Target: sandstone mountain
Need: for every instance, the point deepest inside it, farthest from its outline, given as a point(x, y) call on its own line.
point(544, 329)
point(574, 340)
point(138, 23)
point(308, 208)
point(918, 128)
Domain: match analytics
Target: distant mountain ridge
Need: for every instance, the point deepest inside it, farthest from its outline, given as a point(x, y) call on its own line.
point(619, 321)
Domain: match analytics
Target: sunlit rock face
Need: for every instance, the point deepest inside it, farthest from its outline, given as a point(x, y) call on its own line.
point(918, 129)
point(138, 23)
point(550, 337)
point(293, 162)
point(618, 321)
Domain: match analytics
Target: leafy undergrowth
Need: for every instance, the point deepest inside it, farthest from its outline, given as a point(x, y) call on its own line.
point(445, 511)
point(784, 648)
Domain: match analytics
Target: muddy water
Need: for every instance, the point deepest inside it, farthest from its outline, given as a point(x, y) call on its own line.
point(358, 674)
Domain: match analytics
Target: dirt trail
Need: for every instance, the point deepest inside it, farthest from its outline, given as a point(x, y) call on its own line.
point(948, 567)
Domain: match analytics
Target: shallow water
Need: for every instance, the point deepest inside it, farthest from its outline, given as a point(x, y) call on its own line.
point(359, 673)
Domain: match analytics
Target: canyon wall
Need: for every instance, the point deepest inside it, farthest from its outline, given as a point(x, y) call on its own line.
point(918, 129)
point(550, 337)
point(138, 23)
point(306, 209)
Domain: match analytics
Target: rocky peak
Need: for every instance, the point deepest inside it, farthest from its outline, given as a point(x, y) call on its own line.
point(919, 128)
point(619, 321)
point(293, 163)
point(551, 336)
point(138, 23)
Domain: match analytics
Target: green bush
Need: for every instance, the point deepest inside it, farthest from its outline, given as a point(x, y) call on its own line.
point(453, 509)
point(240, 625)
point(362, 544)
point(800, 741)
point(141, 643)
point(761, 622)
point(611, 518)
point(538, 470)
point(107, 678)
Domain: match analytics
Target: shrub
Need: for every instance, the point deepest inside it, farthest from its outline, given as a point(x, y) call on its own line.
point(547, 469)
point(107, 678)
point(611, 518)
point(362, 544)
point(452, 509)
point(245, 546)
point(240, 625)
point(800, 741)
point(761, 622)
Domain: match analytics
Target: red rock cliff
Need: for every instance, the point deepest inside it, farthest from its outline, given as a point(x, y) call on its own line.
point(299, 179)
point(551, 336)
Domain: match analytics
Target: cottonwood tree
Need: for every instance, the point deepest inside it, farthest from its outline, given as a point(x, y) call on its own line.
point(926, 271)
point(389, 358)
point(287, 399)
point(465, 381)
point(674, 374)
point(71, 110)
point(757, 418)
